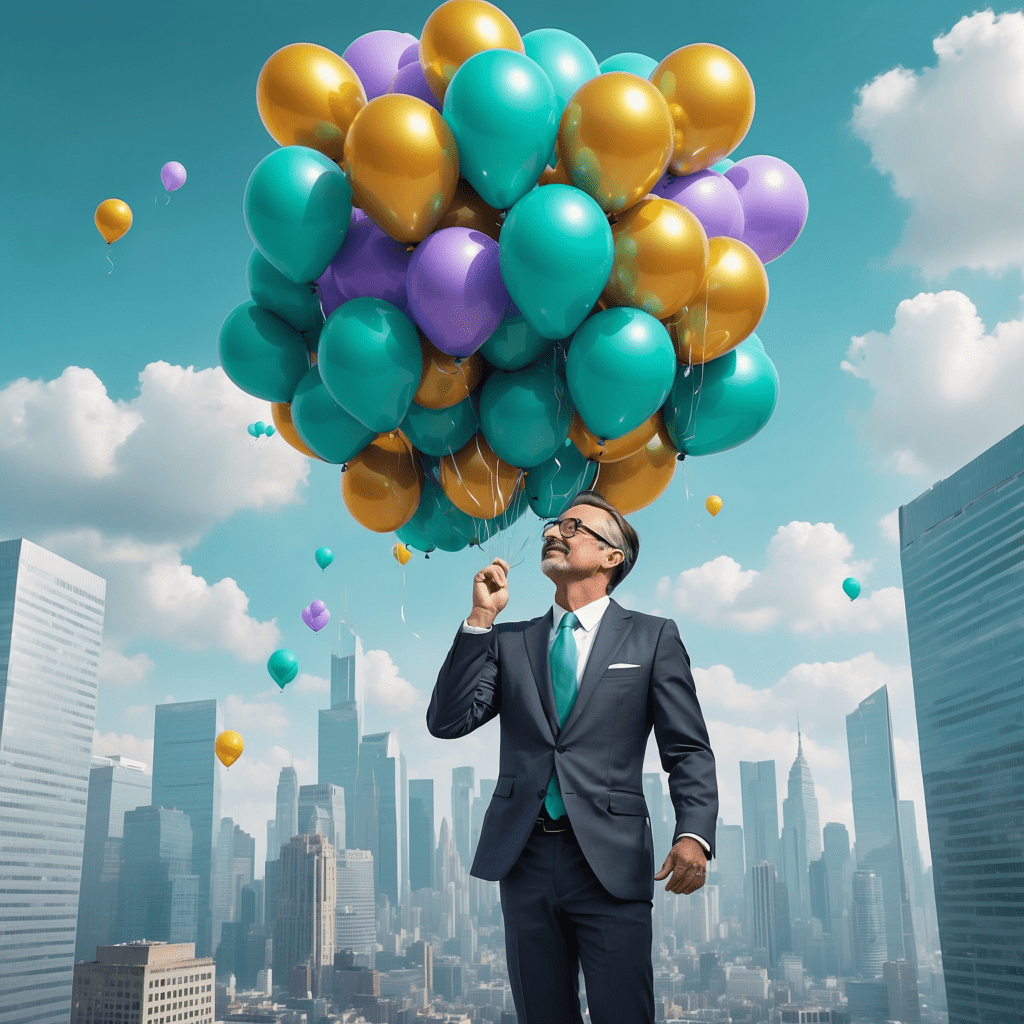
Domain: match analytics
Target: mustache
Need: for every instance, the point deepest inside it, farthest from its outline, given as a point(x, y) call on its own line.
point(554, 545)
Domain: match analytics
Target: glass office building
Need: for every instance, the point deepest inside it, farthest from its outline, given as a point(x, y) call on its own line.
point(760, 813)
point(382, 813)
point(422, 840)
point(962, 554)
point(51, 628)
point(186, 775)
point(322, 811)
point(355, 913)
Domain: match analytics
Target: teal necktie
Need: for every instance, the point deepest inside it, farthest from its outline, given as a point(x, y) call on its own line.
point(563, 681)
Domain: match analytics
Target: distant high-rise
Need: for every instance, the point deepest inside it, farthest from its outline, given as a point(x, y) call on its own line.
point(51, 628)
point(765, 910)
point(963, 584)
point(116, 784)
point(480, 805)
point(382, 813)
point(760, 812)
point(869, 938)
point(839, 868)
point(307, 894)
point(422, 838)
point(322, 810)
point(876, 818)
point(800, 812)
point(234, 867)
point(186, 775)
point(355, 912)
point(286, 824)
point(912, 866)
point(463, 788)
point(157, 894)
point(729, 863)
point(661, 825)
point(901, 982)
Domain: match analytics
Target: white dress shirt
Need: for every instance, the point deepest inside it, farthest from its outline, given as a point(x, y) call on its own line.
point(589, 616)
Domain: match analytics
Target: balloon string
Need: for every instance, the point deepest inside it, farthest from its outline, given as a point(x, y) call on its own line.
point(401, 607)
point(111, 262)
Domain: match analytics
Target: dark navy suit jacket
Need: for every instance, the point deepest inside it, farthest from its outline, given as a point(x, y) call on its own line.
point(598, 753)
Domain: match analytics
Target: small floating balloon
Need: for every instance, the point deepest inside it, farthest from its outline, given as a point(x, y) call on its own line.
point(316, 616)
point(713, 504)
point(173, 176)
point(260, 427)
point(269, 430)
point(229, 746)
point(401, 554)
point(324, 557)
point(283, 667)
point(252, 429)
point(852, 587)
point(113, 218)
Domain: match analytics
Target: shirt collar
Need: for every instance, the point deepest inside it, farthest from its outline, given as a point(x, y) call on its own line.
point(589, 615)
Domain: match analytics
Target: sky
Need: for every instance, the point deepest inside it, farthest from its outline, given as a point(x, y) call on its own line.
point(895, 323)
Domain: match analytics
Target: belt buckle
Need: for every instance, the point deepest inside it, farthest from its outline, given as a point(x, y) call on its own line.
point(549, 831)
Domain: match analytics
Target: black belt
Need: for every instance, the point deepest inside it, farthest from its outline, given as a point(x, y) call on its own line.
point(545, 826)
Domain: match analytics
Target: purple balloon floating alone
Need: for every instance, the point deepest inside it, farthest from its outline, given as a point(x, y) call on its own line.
point(173, 175)
point(316, 616)
point(370, 264)
point(456, 292)
point(774, 204)
point(375, 57)
point(411, 81)
point(710, 197)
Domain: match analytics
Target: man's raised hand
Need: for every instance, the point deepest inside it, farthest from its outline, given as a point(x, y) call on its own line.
point(490, 593)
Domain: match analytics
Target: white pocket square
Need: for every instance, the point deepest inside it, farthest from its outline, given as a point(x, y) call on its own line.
point(622, 664)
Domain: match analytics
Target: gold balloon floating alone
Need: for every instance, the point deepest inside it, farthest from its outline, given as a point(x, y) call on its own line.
point(713, 504)
point(113, 218)
point(307, 96)
point(228, 747)
point(401, 553)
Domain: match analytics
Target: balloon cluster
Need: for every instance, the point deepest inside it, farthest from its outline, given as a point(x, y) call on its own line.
point(538, 273)
point(259, 428)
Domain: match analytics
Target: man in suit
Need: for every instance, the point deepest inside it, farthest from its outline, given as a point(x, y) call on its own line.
point(577, 691)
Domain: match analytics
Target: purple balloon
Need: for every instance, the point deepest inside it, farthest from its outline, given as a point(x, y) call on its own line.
point(411, 55)
point(317, 608)
point(370, 264)
point(375, 57)
point(173, 175)
point(456, 292)
point(411, 81)
point(316, 620)
point(774, 204)
point(710, 197)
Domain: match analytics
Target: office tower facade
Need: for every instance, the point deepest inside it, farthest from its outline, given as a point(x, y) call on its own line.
point(355, 911)
point(760, 812)
point(51, 628)
point(790, 871)
point(800, 812)
point(186, 775)
point(157, 893)
point(307, 894)
point(963, 579)
point(322, 810)
point(912, 866)
point(765, 900)
point(839, 868)
point(234, 867)
point(382, 813)
point(876, 817)
point(869, 926)
point(116, 784)
point(421, 834)
point(661, 824)
point(901, 982)
point(140, 983)
point(463, 788)
point(729, 864)
point(286, 822)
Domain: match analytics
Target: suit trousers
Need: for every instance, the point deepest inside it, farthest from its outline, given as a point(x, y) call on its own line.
point(558, 917)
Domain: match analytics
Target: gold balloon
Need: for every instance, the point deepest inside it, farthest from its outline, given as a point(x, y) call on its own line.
point(402, 161)
point(635, 482)
point(307, 96)
point(477, 482)
point(401, 553)
point(615, 449)
point(711, 97)
point(468, 210)
point(455, 31)
point(446, 380)
point(727, 307)
point(383, 483)
point(281, 412)
point(113, 218)
point(713, 505)
point(554, 175)
point(615, 139)
point(661, 257)
point(228, 746)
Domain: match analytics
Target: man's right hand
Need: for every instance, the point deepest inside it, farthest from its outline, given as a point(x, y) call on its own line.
point(490, 593)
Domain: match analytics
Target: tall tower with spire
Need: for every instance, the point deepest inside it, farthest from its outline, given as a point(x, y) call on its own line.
point(800, 812)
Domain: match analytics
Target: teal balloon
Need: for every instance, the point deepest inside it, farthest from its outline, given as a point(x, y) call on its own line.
point(620, 369)
point(297, 206)
point(566, 60)
point(298, 305)
point(283, 667)
point(371, 361)
point(324, 426)
point(270, 430)
point(723, 403)
point(261, 354)
point(437, 523)
point(324, 557)
point(503, 111)
point(723, 165)
point(488, 528)
point(551, 486)
point(438, 432)
point(633, 63)
point(851, 587)
point(526, 415)
point(260, 427)
point(252, 429)
point(754, 341)
point(514, 344)
point(556, 254)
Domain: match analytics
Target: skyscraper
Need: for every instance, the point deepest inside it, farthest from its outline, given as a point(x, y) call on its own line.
point(304, 931)
point(876, 817)
point(286, 824)
point(869, 939)
point(839, 869)
point(186, 776)
point(963, 579)
point(463, 788)
point(730, 866)
point(116, 784)
point(51, 628)
point(421, 834)
point(765, 914)
point(760, 812)
point(322, 809)
point(800, 812)
point(382, 812)
point(355, 912)
point(234, 867)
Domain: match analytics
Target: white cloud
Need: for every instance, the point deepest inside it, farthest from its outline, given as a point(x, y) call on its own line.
point(800, 587)
point(951, 138)
point(944, 389)
point(890, 526)
point(109, 744)
point(386, 688)
point(307, 683)
point(117, 669)
point(265, 716)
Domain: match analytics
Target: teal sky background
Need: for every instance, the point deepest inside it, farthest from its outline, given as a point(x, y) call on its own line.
point(99, 97)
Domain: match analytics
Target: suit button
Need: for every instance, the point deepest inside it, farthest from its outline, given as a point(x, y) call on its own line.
point(560, 749)
point(541, 792)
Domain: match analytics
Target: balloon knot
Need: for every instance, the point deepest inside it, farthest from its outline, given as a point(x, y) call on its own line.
point(601, 441)
point(680, 457)
point(344, 467)
point(458, 360)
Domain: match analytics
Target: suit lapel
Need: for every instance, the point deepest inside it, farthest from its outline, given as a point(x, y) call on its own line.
point(537, 637)
point(614, 627)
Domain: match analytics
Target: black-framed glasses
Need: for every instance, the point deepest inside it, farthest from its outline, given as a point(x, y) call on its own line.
point(568, 526)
